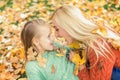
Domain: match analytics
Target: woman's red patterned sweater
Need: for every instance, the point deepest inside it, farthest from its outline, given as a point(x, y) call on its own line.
point(103, 68)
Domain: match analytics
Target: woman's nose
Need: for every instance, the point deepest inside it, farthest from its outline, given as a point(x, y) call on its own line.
point(56, 34)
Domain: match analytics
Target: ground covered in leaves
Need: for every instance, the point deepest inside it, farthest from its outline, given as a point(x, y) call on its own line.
point(15, 13)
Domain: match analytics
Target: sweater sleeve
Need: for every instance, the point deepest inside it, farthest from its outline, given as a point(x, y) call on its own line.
point(117, 54)
point(33, 72)
point(83, 74)
point(100, 69)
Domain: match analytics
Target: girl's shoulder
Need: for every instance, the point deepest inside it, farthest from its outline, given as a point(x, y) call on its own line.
point(33, 62)
point(32, 65)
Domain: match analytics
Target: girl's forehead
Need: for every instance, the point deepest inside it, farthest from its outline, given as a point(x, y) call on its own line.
point(43, 27)
point(44, 30)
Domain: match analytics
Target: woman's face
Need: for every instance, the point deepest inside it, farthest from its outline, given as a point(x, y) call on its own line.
point(46, 39)
point(59, 32)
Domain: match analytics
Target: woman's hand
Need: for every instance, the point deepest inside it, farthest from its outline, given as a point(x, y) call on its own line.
point(82, 67)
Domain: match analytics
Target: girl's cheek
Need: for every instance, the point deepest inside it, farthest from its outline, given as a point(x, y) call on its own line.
point(52, 37)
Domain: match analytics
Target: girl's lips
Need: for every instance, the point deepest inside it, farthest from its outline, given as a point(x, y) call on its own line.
point(51, 43)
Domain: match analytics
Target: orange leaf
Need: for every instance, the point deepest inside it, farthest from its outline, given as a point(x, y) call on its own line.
point(22, 71)
point(14, 65)
point(53, 69)
point(2, 67)
point(22, 53)
point(0, 38)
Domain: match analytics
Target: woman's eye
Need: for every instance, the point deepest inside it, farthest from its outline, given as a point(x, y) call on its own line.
point(57, 29)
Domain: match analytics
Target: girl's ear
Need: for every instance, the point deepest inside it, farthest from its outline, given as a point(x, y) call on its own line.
point(35, 41)
point(36, 44)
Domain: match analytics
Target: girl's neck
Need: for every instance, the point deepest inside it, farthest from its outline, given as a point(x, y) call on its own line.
point(40, 51)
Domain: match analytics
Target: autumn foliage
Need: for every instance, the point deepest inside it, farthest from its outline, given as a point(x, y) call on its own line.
point(15, 13)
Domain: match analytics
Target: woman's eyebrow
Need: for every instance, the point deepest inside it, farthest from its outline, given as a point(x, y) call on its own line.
point(54, 26)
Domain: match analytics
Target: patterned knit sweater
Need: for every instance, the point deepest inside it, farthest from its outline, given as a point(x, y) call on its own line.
point(102, 70)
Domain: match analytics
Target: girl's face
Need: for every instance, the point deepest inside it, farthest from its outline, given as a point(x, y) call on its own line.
point(46, 39)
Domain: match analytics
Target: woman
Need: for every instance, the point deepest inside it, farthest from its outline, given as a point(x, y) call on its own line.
point(42, 63)
point(101, 57)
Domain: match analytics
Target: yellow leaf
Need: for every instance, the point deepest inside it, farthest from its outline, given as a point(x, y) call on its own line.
point(75, 45)
point(2, 67)
point(77, 60)
point(101, 31)
point(59, 54)
point(22, 53)
point(22, 71)
point(41, 61)
point(2, 3)
point(19, 52)
point(22, 79)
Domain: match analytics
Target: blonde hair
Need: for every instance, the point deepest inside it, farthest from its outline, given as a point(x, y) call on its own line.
point(71, 19)
point(29, 31)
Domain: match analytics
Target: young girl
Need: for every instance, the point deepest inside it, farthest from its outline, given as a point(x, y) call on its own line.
point(41, 62)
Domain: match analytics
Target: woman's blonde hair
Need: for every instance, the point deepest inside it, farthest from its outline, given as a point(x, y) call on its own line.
point(71, 19)
point(29, 31)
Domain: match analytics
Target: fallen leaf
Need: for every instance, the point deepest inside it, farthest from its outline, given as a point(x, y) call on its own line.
point(59, 54)
point(53, 69)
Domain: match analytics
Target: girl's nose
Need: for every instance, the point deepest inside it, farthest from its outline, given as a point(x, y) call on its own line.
point(52, 37)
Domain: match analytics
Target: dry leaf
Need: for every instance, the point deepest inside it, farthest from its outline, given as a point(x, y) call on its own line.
point(17, 71)
point(101, 31)
point(53, 69)
point(0, 38)
point(22, 71)
point(14, 59)
point(22, 79)
point(31, 54)
point(41, 61)
point(59, 54)
point(2, 67)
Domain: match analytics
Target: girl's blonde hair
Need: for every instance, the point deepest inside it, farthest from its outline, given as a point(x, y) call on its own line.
point(71, 19)
point(29, 31)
